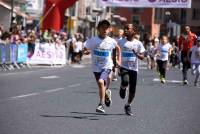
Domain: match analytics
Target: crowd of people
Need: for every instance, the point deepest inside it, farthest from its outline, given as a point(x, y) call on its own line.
point(19, 35)
point(113, 56)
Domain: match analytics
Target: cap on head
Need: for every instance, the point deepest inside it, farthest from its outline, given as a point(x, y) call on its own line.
point(103, 22)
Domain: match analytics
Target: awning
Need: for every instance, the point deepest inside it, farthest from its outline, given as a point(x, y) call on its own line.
point(20, 13)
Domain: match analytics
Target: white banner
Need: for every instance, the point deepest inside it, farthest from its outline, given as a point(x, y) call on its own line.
point(46, 53)
point(146, 3)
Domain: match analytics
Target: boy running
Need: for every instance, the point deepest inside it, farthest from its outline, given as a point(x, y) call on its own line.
point(132, 50)
point(101, 48)
point(195, 60)
point(163, 52)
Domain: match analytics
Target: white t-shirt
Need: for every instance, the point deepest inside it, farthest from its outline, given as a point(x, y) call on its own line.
point(195, 56)
point(163, 51)
point(78, 46)
point(129, 59)
point(101, 50)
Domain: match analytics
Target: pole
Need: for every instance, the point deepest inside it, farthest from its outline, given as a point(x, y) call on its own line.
point(12, 9)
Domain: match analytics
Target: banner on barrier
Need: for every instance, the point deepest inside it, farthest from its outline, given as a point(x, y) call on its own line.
point(2, 54)
point(8, 53)
point(13, 53)
point(60, 54)
point(22, 53)
point(147, 3)
point(46, 53)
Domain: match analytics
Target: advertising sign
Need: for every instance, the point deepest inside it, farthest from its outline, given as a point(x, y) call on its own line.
point(147, 3)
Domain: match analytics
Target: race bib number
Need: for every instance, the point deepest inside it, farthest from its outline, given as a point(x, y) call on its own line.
point(101, 57)
point(129, 59)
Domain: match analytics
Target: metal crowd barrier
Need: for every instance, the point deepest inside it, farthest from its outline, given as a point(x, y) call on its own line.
point(13, 56)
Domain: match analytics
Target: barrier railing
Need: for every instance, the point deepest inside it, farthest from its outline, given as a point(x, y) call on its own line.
point(13, 56)
point(16, 56)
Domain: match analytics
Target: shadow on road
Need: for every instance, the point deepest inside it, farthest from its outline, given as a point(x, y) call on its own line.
point(103, 114)
point(80, 115)
point(73, 117)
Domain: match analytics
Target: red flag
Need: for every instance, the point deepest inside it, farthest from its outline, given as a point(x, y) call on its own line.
point(53, 16)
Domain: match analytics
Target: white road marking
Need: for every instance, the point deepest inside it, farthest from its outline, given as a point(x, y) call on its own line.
point(75, 85)
point(50, 77)
point(77, 66)
point(54, 90)
point(39, 93)
point(169, 81)
point(24, 72)
point(24, 96)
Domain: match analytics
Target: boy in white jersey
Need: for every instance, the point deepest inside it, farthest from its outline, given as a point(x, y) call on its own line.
point(132, 50)
point(195, 60)
point(101, 48)
point(162, 56)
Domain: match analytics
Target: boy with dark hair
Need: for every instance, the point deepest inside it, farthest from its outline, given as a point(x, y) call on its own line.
point(101, 48)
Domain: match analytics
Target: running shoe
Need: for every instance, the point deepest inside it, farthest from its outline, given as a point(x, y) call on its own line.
point(108, 100)
point(122, 93)
point(127, 109)
point(100, 108)
point(195, 84)
point(163, 80)
point(185, 82)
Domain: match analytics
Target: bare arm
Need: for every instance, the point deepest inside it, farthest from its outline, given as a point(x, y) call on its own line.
point(139, 55)
point(118, 50)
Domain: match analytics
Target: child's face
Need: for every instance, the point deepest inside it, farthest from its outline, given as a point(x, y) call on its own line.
point(103, 30)
point(164, 40)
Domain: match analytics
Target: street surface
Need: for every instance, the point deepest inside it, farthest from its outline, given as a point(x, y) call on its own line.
point(62, 100)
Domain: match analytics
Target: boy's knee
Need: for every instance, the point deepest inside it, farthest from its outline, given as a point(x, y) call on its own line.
point(101, 82)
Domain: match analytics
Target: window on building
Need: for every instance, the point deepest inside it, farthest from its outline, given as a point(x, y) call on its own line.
point(158, 14)
point(183, 15)
point(196, 14)
point(137, 10)
point(88, 10)
point(72, 10)
point(136, 20)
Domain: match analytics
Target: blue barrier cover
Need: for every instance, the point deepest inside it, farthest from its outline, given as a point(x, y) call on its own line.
point(13, 53)
point(22, 53)
point(3, 53)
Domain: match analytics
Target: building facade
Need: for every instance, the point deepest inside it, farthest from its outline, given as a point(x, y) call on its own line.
point(159, 21)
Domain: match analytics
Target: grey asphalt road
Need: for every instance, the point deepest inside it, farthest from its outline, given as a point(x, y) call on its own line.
point(54, 100)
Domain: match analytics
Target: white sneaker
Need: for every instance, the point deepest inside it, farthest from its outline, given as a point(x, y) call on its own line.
point(185, 82)
point(100, 108)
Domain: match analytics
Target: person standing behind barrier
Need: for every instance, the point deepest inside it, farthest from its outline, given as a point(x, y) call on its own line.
point(185, 44)
point(195, 60)
point(101, 48)
point(31, 43)
point(47, 35)
point(15, 35)
point(78, 48)
point(152, 52)
point(132, 50)
point(163, 51)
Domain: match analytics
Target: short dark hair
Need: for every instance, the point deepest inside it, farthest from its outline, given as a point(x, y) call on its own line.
point(103, 22)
